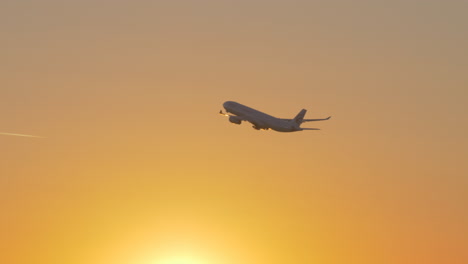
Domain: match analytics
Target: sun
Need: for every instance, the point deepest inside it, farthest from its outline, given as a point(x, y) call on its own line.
point(179, 260)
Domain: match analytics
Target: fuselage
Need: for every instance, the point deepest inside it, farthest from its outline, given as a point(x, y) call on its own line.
point(259, 119)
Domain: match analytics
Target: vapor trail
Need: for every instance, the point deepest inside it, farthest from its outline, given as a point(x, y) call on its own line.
point(19, 135)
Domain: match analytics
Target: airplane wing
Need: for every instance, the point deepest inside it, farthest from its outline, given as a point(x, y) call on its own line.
point(236, 116)
point(223, 114)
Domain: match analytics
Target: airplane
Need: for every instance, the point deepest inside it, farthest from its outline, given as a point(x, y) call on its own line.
point(262, 121)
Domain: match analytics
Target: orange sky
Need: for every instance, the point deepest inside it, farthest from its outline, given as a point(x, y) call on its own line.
point(137, 167)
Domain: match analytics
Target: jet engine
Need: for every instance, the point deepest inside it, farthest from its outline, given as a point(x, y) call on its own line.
point(235, 120)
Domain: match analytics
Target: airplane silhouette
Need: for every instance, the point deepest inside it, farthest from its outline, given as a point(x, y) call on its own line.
point(262, 121)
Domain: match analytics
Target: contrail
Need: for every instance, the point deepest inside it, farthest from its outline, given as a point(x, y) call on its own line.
point(19, 135)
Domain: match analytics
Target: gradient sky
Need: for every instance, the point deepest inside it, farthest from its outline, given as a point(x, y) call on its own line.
point(137, 167)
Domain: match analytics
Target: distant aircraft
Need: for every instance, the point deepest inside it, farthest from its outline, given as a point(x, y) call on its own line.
point(263, 121)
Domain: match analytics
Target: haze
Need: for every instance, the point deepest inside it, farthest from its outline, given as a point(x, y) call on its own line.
point(138, 167)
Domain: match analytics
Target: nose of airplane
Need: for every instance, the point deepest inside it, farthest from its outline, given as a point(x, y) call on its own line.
point(228, 104)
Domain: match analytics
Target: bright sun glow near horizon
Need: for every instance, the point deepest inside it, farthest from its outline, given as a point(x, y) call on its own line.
point(173, 258)
point(134, 164)
point(180, 260)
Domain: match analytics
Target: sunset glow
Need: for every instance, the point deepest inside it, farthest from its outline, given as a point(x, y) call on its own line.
point(137, 166)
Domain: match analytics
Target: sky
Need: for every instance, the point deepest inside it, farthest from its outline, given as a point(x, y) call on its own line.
point(135, 166)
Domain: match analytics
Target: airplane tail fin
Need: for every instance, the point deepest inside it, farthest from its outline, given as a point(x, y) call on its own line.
point(300, 116)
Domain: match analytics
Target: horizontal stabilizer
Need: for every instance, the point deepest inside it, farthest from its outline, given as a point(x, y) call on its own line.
point(310, 128)
point(320, 119)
